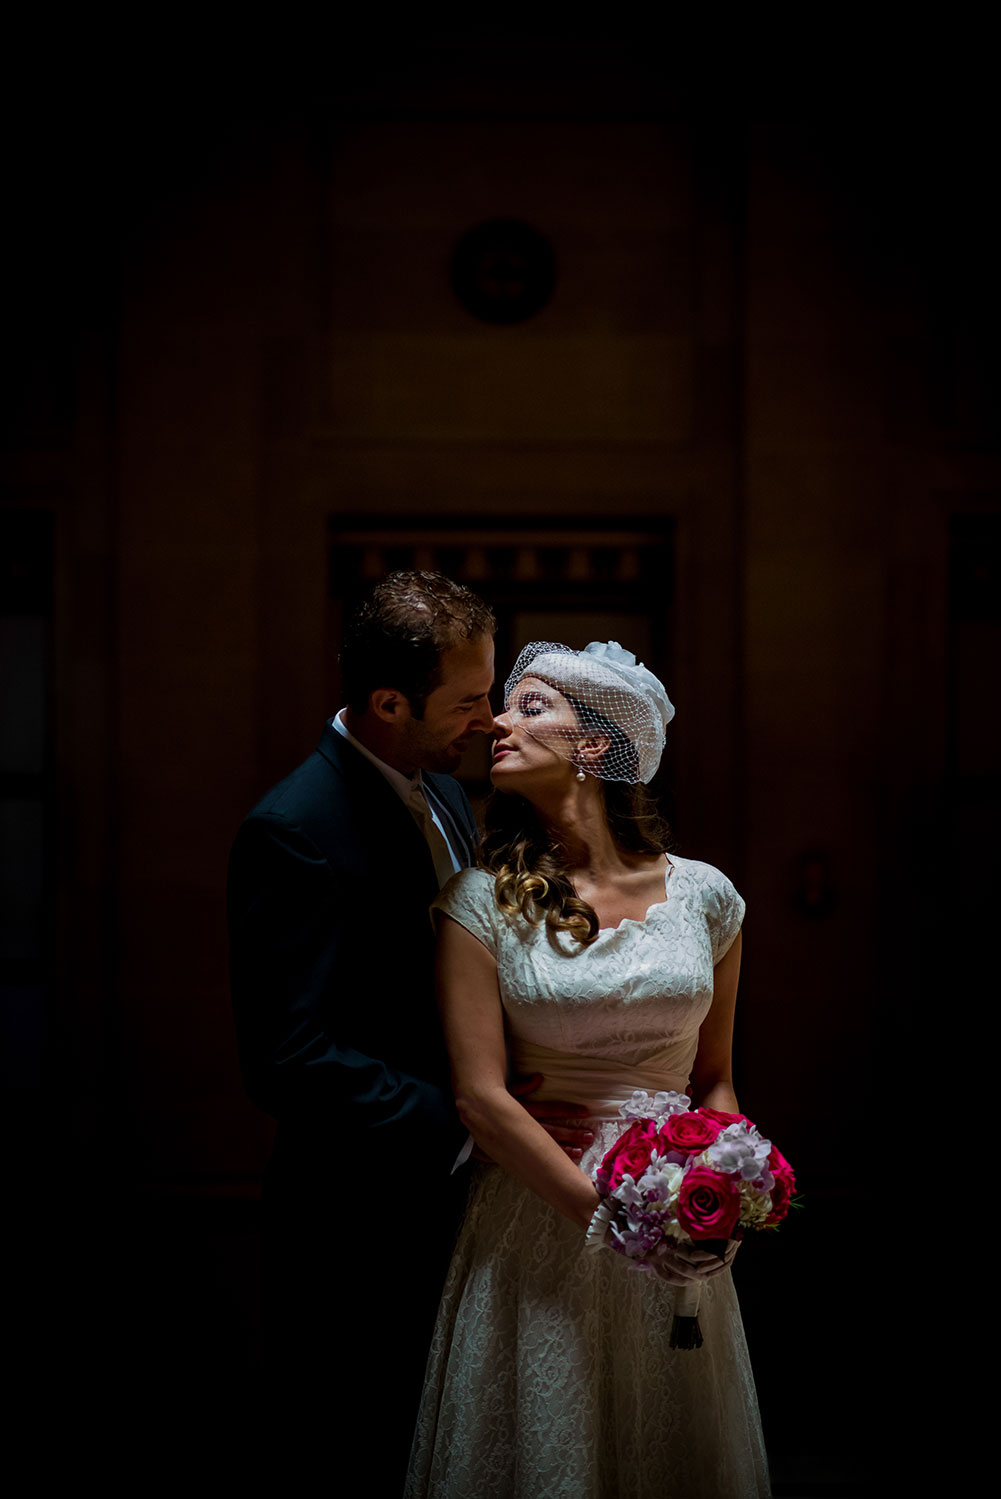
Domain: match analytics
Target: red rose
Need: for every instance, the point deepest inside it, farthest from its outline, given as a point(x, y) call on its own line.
point(630, 1153)
point(689, 1133)
point(708, 1204)
point(785, 1186)
point(723, 1119)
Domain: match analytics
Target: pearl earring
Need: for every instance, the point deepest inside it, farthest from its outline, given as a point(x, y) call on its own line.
point(581, 776)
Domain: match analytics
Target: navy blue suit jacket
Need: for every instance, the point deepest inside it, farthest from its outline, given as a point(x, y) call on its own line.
point(331, 968)
point(331, 963)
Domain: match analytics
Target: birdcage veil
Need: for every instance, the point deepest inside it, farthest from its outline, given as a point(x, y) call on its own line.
point(614, 696)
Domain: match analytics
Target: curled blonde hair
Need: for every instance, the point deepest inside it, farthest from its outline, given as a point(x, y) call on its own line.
point(543, 891)
point(529, 867)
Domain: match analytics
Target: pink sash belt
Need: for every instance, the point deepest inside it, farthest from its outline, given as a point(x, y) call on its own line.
point(602, 1083)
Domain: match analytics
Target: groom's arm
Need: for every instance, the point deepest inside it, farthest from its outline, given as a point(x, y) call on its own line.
point(293, 950)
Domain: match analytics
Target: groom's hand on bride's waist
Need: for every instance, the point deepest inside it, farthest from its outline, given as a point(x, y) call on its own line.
point(562, 1120)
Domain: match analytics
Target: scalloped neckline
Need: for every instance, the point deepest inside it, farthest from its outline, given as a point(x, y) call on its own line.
point(657, 905)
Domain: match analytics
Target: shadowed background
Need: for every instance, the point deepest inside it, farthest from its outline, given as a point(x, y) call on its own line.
point(753, 430)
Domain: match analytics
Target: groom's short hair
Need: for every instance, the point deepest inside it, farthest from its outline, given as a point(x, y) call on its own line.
point(396, 636)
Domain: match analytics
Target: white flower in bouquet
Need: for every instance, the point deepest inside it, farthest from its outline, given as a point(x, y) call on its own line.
point(741, 1150)
point(754, 1207)
point(660, 1106)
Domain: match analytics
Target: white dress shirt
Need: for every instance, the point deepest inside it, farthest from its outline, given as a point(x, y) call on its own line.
point(412, 792)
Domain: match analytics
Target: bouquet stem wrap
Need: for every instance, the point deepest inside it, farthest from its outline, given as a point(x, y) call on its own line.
point(685, 1329)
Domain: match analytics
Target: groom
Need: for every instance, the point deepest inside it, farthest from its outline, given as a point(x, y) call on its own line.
point(331, 966)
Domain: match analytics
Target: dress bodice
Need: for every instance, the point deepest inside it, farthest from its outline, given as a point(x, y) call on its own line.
point(620, 1014)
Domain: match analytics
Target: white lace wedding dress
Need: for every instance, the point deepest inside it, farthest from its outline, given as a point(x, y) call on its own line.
point(550, 1374)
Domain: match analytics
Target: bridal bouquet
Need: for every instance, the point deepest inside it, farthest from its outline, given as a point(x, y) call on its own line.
point(697, 1176)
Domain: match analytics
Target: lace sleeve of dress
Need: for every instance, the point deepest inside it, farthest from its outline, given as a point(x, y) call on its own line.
point(724, 909)
point(468, 898)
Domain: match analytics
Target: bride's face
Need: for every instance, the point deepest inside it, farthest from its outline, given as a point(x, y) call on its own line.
point(536, 738)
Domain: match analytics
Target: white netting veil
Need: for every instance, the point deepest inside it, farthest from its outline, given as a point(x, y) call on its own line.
point(620, 709)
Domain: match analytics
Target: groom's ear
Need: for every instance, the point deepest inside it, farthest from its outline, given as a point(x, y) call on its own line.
point(389, 705)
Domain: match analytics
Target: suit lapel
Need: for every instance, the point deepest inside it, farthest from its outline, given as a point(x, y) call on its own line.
point(402, 834)
point(390, 830)
point(457, 835)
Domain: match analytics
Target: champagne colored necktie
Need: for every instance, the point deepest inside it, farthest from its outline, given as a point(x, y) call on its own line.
point(444, 868)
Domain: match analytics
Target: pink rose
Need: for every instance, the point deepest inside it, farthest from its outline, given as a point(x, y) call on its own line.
point(723, 1119)
point(689, 1133)
point(785, 1186)
point(708, 1204)
point(631, 1153)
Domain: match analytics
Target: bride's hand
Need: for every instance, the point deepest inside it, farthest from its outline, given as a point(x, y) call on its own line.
point(681, 1264)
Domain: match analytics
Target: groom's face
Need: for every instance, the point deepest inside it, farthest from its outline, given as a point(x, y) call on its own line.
point(458, 707)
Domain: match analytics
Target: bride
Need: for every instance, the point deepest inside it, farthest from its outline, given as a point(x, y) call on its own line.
point(583, 952)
